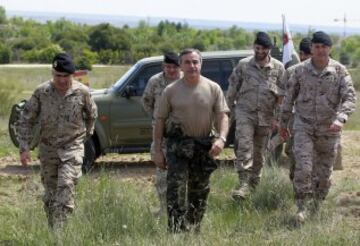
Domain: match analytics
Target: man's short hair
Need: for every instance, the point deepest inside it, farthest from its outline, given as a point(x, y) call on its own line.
point(188, 51)
point(322, 38)
point(171, 58)
point(63, 63)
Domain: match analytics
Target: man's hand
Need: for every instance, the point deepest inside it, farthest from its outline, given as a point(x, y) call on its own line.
point(159, 159)
point(284, 133)
point(25, 158)
point(216, 147)
point(336, 126)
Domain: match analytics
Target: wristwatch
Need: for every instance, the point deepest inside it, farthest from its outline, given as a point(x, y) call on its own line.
point(222, 138)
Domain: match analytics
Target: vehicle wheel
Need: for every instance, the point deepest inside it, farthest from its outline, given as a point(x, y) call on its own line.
point(90, 156)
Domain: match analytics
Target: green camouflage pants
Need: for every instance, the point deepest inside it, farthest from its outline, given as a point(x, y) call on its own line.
point(59, 179)
point(189, 170)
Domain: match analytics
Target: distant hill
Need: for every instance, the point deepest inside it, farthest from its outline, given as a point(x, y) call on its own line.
point(132, 21)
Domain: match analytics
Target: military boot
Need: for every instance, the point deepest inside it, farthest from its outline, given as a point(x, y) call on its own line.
point(303, 210)
point(242, 191)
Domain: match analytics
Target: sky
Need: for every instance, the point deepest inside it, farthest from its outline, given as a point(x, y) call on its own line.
point(309, 12)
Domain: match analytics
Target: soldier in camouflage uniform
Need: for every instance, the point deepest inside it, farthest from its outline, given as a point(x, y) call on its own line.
point(150, 101)
point(322, 92)
point(187, 113)
point(67, 114)
point(255, 90)
point(304, 53)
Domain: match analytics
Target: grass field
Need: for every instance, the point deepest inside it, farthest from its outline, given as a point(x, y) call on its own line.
point(113, 211)
point(29, 77)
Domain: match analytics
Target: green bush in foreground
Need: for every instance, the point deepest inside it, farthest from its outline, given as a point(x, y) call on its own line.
point(112, 211)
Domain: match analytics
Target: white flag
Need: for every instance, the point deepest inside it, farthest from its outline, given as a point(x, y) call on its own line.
point(288, 45)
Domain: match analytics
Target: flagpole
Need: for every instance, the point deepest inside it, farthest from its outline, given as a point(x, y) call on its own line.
point(283, 29)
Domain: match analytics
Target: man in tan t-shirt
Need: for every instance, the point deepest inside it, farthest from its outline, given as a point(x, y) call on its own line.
point(190, 107)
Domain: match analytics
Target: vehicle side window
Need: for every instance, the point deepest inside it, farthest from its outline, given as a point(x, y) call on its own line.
point(218, 71)
point(227, 67)
point(143, 76)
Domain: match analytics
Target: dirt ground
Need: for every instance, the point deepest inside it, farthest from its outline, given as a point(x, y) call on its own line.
point(140, 167)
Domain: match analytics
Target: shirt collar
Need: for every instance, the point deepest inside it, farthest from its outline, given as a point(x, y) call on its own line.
point(330, 68)
point(270, 64)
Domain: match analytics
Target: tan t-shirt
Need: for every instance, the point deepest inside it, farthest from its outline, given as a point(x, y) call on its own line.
point(193, 107)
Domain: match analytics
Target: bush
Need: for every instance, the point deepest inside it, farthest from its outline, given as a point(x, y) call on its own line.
point(8, 96)
point(5, 54)
point(85, 60)
point(355, 74)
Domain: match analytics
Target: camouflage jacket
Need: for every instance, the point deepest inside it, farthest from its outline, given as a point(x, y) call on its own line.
point(319, 98)
point(152, 94)
point(65, 121)
point(254, 91)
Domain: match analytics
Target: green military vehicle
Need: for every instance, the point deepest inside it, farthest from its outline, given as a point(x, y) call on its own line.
point(123, 126)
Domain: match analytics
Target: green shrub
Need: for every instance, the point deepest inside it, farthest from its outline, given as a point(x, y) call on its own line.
point(8, 96)
point(355, 74)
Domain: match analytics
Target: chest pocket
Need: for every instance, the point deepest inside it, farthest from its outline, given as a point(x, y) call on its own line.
point(73, 109)
point(306, 88)
point(331, 88)
point(157, 92)
point(249, 84)
point(272, 78)
point(49, 111)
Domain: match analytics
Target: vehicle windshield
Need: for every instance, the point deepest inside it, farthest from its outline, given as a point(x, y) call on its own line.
point(124, 78)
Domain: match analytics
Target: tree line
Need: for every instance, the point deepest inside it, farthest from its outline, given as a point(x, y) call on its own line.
point(28, 41)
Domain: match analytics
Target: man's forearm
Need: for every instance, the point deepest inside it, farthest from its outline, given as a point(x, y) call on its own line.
point(158, 133)
point(223, 125)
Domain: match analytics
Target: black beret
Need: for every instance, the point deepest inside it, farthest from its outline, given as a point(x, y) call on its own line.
point(62, 62)
point(171, 57)
point(305, 44)
point(263, 39)
point(321, 37)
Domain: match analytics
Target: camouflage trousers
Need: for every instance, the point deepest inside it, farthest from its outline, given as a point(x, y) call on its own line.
point(289, 152)
point(59, 179)
point(251, 146)
point(188, 177)
point(289, 148)
point(160, 181)
point(315, 157)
